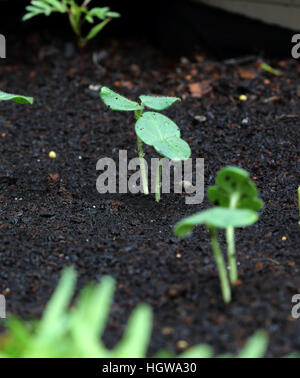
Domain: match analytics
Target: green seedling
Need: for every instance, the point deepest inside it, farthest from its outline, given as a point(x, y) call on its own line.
point(77, 332)
point(218, 217)
point(16, 98)
point(78, 15)
point(234, 190)
point(153, 129)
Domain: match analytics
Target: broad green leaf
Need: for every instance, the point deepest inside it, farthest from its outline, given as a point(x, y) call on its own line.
point(16, 98)
point(234, 181)
point(158, 103)
point(218, 217)
point(163, 134)
point(256, 346)
point(117, 102)
point(154, 127)
point(173, 148)
point(137, 335)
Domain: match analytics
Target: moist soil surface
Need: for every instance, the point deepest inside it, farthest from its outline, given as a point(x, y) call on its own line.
point(51, 215)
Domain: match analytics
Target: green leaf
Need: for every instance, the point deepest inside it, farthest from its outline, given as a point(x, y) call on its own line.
point(117, 102)
point(99, 12)
point(158, 103)
point(97, 29)
point(137, 335)
point(163, 134)
point(16, 98)
point(234, 181)
point(256, 347)
point(113, 14)
point(199, 351)
point(218, 217)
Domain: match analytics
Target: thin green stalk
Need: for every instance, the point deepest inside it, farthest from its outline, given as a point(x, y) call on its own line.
point(233, 272)
point(225, 286)
point(141, 156)
point(143, 168)
point(158, 181)
point(230, 238)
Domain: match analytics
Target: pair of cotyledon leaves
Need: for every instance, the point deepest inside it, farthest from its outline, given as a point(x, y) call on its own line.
point(152, 128)
point(16, 98)
point(230, 181)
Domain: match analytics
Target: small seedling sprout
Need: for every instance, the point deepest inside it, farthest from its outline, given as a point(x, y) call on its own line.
point(218, 217)
point(235, 197)
point(153, 129)
point(16, 98)
point(78, 15)
point(234, 190)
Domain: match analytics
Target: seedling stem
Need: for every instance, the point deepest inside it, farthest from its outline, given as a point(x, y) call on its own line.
point(138, 114)
point(158, 181)
point(225, 286)
point(230, 237)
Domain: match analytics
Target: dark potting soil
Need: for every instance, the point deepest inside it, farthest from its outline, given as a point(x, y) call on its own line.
point(51, 215)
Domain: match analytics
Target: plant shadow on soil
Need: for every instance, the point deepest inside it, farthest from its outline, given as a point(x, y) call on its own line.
point(51, 215)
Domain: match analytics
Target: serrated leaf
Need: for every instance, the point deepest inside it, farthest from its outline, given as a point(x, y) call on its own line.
point(16, 98)
point(158, 103)
point(117, 102)
point(218, 217)
point(163, 134)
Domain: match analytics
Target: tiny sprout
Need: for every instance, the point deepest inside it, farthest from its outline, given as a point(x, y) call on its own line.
point(235, 197)
point(16, 98)
point(234, 190)
point(153, 129)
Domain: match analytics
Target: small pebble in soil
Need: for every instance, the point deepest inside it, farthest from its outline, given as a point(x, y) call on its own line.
point(200, 118)
point(243, 98)
point(52, 155)
point(182, 344)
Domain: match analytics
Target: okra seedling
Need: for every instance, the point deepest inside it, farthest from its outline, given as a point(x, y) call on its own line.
point(218, 217)
point(152, 128)
point(235, 190)
point(16, 98)
point(235, 197)
point(78, 15)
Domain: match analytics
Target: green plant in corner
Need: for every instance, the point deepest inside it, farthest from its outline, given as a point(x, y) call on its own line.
point(64, 333)
point(78, 15)
point(153, 129)
point(16, 98)
point(235, 197)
